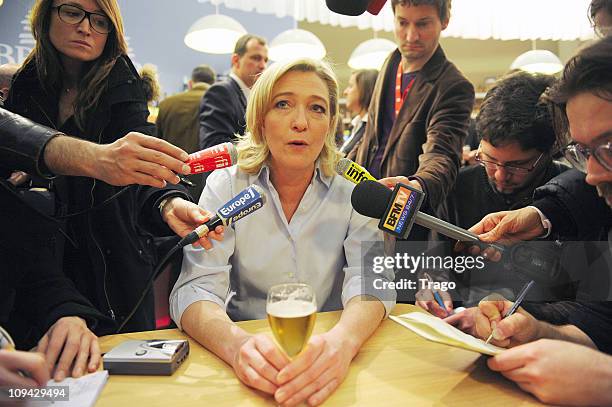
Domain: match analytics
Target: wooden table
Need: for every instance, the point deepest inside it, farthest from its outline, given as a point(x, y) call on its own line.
point(395, 367)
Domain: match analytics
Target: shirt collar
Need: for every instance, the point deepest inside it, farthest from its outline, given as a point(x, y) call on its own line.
point(244, 88)
point(263, 175)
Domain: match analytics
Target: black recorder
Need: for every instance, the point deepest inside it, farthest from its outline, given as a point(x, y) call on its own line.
point(156, 357)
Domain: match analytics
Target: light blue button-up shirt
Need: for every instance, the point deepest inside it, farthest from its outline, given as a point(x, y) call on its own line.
point(321, 246)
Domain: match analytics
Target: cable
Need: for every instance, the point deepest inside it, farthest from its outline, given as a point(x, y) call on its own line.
point(190, 238)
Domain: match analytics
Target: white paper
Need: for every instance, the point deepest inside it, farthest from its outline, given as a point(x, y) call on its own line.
point(435, 329)
point(83, 392)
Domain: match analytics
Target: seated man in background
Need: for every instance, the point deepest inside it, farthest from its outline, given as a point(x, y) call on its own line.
point(557, 371)
point(514, 158)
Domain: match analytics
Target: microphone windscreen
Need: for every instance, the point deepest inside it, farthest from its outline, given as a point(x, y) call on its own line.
point(371, 198)
point(343, 165)
point(375, 6)
point(231, 149)
point(348, 7)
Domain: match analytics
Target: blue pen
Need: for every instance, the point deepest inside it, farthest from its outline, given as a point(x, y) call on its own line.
point(436, 294)
point(517, 303)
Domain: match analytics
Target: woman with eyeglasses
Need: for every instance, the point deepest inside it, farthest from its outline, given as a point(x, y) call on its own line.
point(79, 80)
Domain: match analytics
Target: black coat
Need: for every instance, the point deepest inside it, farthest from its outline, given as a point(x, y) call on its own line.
point(110, 252)
point(576, 212)
point(222, 113)
point(34, 293)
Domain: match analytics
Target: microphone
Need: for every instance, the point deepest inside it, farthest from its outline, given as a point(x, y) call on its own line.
point(215, 157)
point(246, 202)
point(398, 210)
point(243, 204)
point(375, 6)
point(352, 171)
point(348, 7)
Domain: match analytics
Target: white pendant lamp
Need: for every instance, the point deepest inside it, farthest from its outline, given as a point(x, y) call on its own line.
point(214, 34)
point(296, 43)
point(371, 54)
point(538, 61)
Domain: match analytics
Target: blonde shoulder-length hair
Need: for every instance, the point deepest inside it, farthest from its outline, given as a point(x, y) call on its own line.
point(48, 63)
point(253, 150)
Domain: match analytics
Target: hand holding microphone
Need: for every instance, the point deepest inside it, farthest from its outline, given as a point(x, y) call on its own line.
point(246, 202)
point(397, 209)
point(184, 216)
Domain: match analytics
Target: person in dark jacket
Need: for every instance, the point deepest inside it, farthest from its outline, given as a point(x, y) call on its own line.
point(554, 371)
point(420, 108)
point(223, 107)
point(79, 80)
point(358, 94)
point(36, 298)
point(514, 158)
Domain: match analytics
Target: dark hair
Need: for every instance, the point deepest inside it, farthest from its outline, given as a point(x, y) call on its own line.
point(443, 6)
point(365, 79)
point(515, 111)
point(596, 6)
point(588, 71)
point(241, 45)
point(50, 69)
point(203, 73)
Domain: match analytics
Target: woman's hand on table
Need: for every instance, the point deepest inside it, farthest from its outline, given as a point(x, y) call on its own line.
point(315, 373)
point(258, 362)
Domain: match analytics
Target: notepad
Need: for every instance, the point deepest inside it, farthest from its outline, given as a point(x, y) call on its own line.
point(83, 392)
point(435, 329)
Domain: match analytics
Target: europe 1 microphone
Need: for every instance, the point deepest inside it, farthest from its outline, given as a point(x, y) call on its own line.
point(243, 204)
point(246, 202)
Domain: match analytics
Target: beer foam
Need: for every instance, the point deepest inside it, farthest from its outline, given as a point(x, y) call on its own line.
point(291, 309)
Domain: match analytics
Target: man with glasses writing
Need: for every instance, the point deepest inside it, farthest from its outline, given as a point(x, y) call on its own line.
point(513, 159)
point(547, 363)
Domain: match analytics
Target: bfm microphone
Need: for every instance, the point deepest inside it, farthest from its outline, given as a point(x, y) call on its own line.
point(243, 204)
point(398, 210)
point(215, 157)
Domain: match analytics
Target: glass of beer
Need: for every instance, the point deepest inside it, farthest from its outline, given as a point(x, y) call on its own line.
point(291, 309)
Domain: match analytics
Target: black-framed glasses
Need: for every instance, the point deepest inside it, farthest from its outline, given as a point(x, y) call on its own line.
point(578, 155)
point(74, 15)
point(510, 169)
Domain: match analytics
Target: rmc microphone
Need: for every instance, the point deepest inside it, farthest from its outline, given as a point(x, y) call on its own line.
point(398, 210)
point(215, 157)
point(243, 204)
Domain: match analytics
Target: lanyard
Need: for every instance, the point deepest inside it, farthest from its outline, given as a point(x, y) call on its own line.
point(399, 96)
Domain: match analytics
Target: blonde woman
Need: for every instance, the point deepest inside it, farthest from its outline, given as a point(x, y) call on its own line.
point(307, 232)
